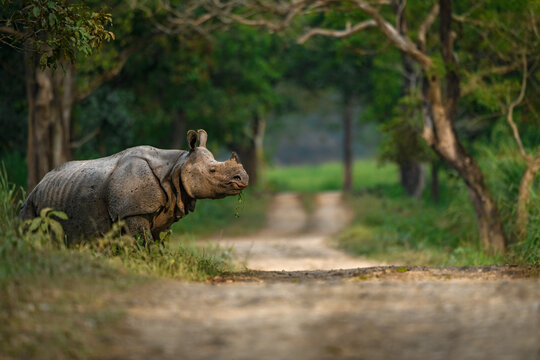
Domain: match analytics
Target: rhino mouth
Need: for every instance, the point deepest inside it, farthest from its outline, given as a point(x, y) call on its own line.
point(237, 185)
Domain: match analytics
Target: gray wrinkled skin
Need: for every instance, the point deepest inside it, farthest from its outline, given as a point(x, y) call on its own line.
point(147, 188)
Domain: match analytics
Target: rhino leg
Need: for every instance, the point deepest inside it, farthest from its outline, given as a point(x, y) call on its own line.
point(138, 225)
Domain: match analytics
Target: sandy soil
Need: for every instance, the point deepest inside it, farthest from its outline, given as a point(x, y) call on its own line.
point(377, 312)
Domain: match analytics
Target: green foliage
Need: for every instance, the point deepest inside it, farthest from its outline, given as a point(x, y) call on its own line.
point(109, 115)
point(58, 29)
point(402, 134)
point(45, 229)
point(10, 199)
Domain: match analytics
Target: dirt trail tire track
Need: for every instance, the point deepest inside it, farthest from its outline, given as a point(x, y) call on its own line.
point(381, 312)
point(293, 240)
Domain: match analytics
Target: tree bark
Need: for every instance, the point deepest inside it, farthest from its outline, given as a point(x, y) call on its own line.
point(412, 174)
point(252, 153)
point(435, 186)
point(348, 144)
point(525, 188)
point(439, 133)
point(259, 131)
point(50, 101)
point(412, 177)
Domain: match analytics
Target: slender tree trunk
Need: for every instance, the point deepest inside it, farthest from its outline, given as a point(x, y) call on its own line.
point(259, 131)
point(412, 174)
point(252, 154)
point(179, 130)
point(348, 143)
point(524, 195)
point(50, 101)
point(435, 186)
point(412, 177)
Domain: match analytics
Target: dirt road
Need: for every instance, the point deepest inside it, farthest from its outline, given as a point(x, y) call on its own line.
point(380, 312)
point(295, 240)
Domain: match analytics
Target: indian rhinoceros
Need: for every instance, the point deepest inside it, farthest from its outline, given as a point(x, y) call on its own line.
point(145, 187)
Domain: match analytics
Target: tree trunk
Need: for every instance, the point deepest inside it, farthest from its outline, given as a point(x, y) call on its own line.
point(412, 174)
point(525, 188)
point(259, 130)
point(252, 154)
point(435, 186)
point(348, 144)
point(179, 129)
point(439, 133)
point(50, 101)
point(413, 178)
point(442, 138)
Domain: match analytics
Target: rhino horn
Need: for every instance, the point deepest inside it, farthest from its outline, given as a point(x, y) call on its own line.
point(234, 157)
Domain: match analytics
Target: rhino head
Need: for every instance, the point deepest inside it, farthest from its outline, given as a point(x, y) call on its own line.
point(205, 178)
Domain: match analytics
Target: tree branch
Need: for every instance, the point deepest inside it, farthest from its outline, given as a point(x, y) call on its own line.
point(113, 72)
point(403, 43)
point(510, 113)
point(10, 31)
point(77, 144)
point(475, 79)
point(337, 33)
point(447, 37)
point(424, 27)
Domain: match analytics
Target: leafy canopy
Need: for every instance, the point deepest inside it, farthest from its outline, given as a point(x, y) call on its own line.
point(53, 30)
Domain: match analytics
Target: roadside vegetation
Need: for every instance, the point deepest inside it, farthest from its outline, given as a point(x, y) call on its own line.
point(392, 227)
point(69, 298)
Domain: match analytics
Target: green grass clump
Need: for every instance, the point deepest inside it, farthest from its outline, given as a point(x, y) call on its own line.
point(367, 174)
point(184, 261)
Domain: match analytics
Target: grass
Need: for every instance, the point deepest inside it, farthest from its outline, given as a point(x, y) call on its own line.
point(231, 216)
point(367, 174)
point(403, 231)
point(60, 303)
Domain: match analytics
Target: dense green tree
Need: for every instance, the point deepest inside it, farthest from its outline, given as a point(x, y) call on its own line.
point(223, 83)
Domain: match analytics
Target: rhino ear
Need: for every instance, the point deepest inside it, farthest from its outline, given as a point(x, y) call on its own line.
point(192, 137)
point(203, 136)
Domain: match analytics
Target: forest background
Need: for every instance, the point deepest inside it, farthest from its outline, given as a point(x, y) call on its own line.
point(443, 95)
